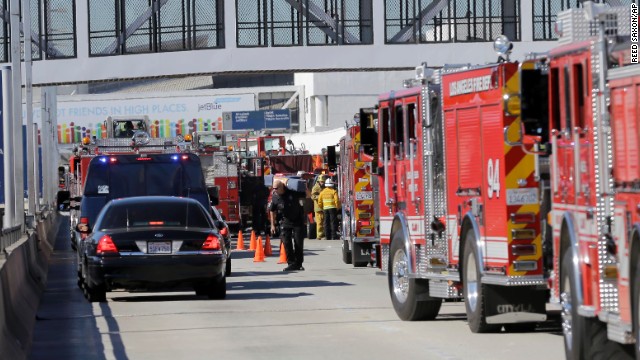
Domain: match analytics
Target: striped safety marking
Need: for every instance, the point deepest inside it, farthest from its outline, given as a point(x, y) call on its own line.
point(519, 165)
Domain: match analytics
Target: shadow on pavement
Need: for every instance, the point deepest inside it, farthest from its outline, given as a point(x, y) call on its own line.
point(281, 284)
point(66, 326)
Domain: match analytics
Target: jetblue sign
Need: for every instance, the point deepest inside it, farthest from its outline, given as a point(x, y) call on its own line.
point(257, 120)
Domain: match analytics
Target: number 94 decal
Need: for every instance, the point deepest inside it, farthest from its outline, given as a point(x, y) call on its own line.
point(493, 178)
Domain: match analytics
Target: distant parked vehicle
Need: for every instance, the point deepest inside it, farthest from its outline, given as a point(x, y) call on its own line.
point(223, 228)
point(153, 242)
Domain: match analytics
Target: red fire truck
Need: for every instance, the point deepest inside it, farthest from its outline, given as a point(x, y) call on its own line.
point(592, 115)
point(459, 208)
point(356, 189)
point(220, 163)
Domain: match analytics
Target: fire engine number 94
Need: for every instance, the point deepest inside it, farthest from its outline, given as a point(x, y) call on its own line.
point(493, 178)
point(364, 195)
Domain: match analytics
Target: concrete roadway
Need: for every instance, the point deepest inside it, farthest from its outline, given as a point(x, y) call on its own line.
point(329, 311)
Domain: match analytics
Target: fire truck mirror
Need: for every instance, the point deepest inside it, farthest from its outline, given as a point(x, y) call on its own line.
point(63, 200)
point(214, 195)
point(331, 157)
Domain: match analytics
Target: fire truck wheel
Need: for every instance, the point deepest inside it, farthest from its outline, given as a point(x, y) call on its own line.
point(406, 291)
point(573, 325)
point(636, 311)
point(346, 254)
point(356, 249)
point(584, 338)
point(474, 291)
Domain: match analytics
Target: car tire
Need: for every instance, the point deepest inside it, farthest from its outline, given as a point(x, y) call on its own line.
point(227, 269)
point(218, 289)
point(95, 293)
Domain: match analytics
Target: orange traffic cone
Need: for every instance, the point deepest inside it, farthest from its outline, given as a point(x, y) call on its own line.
point(252, 244)
point(259, 257)
point(283, 254)
point(267, 247)
point(240, 244)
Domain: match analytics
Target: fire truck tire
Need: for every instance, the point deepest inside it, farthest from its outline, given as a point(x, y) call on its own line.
point(346, 254)
point(474, 290)
point(409, 296)
point(584, 338)
point(355, 250)
point(636, 310)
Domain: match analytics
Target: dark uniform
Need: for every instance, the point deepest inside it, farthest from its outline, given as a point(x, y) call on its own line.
point(291, 213)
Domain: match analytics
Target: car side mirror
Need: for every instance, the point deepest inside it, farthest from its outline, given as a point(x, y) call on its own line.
point(83, 228)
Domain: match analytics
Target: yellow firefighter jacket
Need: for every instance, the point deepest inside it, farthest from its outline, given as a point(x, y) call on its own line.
point(328, 199)
point(315, 193)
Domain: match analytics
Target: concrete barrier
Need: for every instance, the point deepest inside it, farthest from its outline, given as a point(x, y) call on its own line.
point(23, 275)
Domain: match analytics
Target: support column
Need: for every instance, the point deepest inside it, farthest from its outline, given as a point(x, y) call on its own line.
point(16, 74)
point(526, 21)
point(8, 146)
point(321, 110)
point(31, 147)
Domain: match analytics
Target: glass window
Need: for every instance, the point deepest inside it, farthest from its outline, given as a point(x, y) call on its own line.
point(422, 21)
point(555, 98)
point(154, 213)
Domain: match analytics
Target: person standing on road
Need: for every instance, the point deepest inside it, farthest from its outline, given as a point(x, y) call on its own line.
point(288, 204)
point(319, 215)
point(329, 203)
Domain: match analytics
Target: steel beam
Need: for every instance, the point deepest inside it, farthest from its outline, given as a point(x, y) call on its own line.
point(427, 13)
point(155, 7)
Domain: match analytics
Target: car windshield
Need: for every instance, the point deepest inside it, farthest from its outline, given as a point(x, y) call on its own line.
point(179, 214)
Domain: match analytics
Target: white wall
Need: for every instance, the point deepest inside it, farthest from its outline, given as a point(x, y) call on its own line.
point(346, 93)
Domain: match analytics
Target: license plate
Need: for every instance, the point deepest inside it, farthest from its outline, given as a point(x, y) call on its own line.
point(159, 247)
point(364, 195)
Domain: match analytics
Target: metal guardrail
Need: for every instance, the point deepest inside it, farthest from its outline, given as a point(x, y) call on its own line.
point(9, 237)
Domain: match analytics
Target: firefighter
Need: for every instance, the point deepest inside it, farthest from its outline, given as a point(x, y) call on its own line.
point(319, 214)
point(329, 202)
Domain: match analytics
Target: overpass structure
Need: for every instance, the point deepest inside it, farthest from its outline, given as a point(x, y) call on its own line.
point(79, 41)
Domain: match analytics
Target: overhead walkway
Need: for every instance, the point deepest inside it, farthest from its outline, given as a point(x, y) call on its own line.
point(81, 41)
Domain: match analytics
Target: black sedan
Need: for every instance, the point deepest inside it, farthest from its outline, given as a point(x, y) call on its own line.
point(153, 242)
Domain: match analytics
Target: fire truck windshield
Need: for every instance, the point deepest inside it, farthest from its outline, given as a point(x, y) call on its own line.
point(211, 140)
point(249, 145)
point(271, 144)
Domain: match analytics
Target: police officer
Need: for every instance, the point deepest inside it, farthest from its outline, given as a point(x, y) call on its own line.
point(288, 204)
point(329, 202)
point(319, 215)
